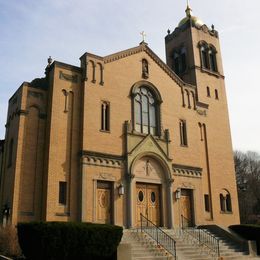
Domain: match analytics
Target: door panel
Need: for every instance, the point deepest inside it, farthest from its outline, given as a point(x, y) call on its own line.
point(141, 202)
point(103, 205)
point(153, 204)
point(148, 203)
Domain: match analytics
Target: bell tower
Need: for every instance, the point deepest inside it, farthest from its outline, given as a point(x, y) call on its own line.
point(193, 52)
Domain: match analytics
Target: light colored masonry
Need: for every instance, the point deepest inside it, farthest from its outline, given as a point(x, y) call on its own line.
point(122, 135)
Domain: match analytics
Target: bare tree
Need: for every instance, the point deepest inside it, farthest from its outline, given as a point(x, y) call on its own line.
point(247, 167)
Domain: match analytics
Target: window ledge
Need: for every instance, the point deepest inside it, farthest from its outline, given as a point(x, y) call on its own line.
point(211, 72)
point(184, 146)
point(226, 212)
point(105, 131)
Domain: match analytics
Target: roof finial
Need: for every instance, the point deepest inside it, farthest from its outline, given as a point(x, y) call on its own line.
point(143, 35)
point(188, 10)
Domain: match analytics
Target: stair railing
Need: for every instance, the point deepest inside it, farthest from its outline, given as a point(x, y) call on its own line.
point(203, 237)
point(156, 233)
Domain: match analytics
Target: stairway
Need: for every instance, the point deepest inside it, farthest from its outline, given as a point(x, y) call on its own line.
point(189, 248)
point(143, 247)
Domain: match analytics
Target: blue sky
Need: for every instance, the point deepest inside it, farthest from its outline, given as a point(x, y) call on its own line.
point(30, 31)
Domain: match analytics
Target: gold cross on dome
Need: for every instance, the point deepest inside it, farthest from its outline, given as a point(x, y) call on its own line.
point(143, 35)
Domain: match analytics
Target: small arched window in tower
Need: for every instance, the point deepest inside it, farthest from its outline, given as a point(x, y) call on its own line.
point(204, 57)
point(179, 61)
point(10, 152)
point(216, 94)
point(208, 92)
point(183, 64)
point(146, 111)
point(176, 60)
point(145, 69)
point(105, 114)
point(212, 59)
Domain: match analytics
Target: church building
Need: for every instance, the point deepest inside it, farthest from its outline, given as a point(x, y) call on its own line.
point(122, 135)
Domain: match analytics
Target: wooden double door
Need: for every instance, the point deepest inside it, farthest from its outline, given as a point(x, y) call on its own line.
point(104, 202)
point(148, 202)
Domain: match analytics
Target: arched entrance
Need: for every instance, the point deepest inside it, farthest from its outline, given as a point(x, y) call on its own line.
point(151, 190)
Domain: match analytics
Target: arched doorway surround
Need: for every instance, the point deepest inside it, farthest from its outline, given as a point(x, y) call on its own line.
point(151, 189)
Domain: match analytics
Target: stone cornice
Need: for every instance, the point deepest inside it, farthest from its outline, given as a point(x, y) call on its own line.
point(188, 171)
point(65, 66)
point(102, 159)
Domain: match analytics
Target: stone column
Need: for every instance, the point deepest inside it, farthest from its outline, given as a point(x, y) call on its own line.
point(169, 203)
point(129, 203)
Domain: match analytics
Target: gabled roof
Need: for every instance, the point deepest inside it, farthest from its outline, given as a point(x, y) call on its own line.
point(143, 47)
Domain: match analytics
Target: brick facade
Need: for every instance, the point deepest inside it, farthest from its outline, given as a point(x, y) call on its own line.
point(55, 125)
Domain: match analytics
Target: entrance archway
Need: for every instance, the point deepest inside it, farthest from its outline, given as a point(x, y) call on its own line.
point(151, 190)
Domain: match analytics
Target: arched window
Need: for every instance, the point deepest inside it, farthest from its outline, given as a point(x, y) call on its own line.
point(176, 58)
point(216, 94)
point(183, 60)
point(225, 201)
point(105, 114)
point(208, 92)
point(222, 202)
point(146, 111)
point(179, 61)
point(208, 56)
point(212, 59)
point(204, 57)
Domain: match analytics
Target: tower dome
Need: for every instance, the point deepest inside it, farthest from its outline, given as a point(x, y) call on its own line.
point(195, 20)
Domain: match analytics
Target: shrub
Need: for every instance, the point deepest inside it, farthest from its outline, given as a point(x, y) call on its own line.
point(68, 240)
point(9, 245)
point(249, 232)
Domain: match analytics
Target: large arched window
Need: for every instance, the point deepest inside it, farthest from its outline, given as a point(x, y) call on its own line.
point(146, 111)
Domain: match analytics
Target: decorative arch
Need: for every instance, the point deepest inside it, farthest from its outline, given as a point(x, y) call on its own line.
point(225, 201)
point(163, 185)
point(101, 74)
point(93, 71)
point(158, 158)
point(149, 85)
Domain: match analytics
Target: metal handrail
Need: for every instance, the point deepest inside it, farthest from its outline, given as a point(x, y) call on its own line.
point(156, 233)
point(204, 238)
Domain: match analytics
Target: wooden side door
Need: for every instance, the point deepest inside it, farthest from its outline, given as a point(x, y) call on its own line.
point(186, 207)
point(103, 205)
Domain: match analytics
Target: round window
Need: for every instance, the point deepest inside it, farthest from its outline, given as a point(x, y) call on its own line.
point(153, 198)
point(140, 196)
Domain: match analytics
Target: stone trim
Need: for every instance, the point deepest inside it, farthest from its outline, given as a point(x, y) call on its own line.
point(102, 159)
point(185, 170)
point(65, 66)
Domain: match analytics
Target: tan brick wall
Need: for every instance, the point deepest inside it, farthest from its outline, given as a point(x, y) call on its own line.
point(49, 149)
